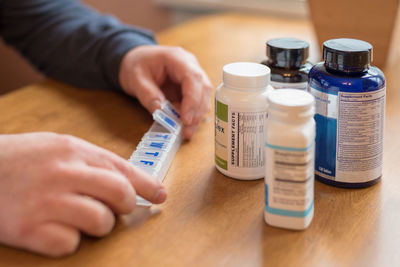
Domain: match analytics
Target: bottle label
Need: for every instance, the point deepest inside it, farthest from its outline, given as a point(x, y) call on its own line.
point(239, 138)
point(289, 180)
point(349, 140)
point(221, 135)
point(280, 85)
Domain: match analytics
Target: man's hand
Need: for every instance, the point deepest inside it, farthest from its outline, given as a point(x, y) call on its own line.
point(152, 73)
point(54, 186)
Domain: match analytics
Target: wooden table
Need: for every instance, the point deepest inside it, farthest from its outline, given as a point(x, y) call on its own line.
point(209, 219)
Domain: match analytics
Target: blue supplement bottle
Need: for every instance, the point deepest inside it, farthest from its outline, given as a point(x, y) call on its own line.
point(350, 110)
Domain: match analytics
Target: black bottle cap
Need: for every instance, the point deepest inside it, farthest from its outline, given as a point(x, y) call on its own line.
point(347, 55)
point(287, 52)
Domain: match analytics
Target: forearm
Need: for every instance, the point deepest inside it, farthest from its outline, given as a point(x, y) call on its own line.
point(68, 41)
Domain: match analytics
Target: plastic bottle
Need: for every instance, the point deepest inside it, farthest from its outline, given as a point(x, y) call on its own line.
point(287, 59)
point(289, 168)
point(350, 109)
point(240, 113)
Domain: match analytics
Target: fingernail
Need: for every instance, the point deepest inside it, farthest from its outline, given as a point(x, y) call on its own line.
point(160, 196)
point(189, 117)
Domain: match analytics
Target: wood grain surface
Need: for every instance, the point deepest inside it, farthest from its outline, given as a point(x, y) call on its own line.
point(209, 219)
point(366, 20)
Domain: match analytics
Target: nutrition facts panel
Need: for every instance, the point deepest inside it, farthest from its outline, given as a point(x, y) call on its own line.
point(247, 139)
point(359, 135)
point(290, 179)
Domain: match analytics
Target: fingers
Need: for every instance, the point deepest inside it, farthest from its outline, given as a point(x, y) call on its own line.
point(83, 213)
point(110, 187)
point(192, 90)
point(195, 85)
point(53, 239)
point(149, 95)
point(147, 186)
point(112, 179)
point(205, 105)
point(146, 69)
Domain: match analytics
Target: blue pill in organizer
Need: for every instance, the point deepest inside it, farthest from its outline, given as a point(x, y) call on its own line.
point(149, 154)
point(150, 166)
point(147, 162)
point(159, 145)
point(166, 121)
point(158, 136)
point(144, 162)
point(169, 121)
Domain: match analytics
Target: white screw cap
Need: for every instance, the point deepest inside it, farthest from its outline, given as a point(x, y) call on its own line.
point(242, 75)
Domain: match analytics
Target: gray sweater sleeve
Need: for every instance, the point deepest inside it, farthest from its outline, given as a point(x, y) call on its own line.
point(68, 41)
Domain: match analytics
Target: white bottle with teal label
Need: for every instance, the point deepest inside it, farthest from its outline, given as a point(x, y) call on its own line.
point(289, 168)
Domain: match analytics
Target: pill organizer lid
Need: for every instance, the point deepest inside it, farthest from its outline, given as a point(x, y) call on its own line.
point(167, 121)
point(347, 55)
point(287, 52)
point(242, 75)
point(168, 108)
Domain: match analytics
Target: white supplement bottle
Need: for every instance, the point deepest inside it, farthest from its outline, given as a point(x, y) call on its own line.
point(289, 168)
point(240, 114)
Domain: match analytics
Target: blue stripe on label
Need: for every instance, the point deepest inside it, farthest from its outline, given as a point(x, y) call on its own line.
point(289, 213)
point(325, 145)
point(289, 148)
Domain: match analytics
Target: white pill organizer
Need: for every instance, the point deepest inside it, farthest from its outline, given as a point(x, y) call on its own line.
point(157, 149)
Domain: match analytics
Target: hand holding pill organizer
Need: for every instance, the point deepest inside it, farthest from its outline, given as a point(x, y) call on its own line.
point(159, 145)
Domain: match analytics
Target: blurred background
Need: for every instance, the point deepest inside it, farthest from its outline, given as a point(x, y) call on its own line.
point(330, 19)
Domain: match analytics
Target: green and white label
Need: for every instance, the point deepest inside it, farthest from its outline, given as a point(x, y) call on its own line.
point(239, 138)
point(221, 135)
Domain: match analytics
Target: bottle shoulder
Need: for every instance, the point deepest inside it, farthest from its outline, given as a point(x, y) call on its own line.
point(249, 98)
point(289, 75)
point(321, 79)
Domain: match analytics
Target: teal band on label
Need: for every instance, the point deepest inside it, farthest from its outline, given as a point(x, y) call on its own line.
point(300, 149)
point(289, 213)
